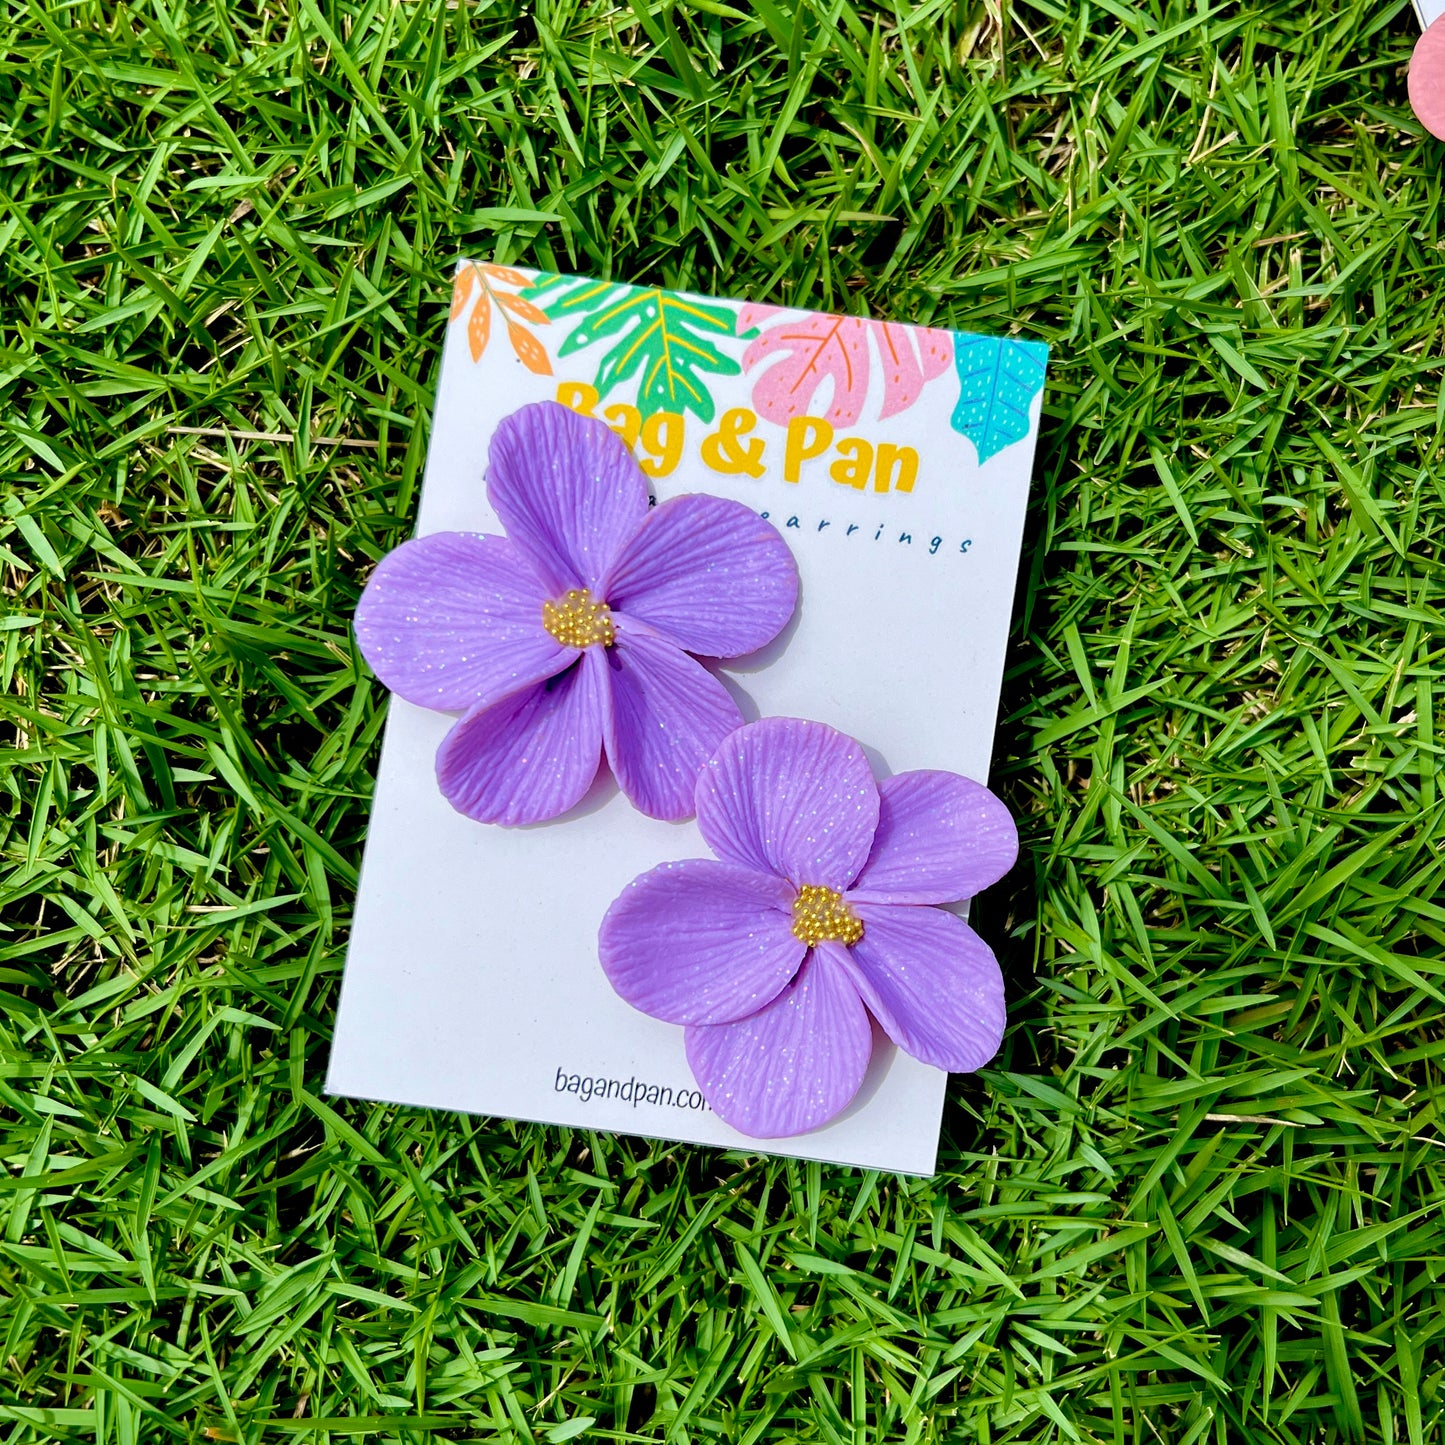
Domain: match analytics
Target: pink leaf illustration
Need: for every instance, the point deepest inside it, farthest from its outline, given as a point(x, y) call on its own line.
point(936, 348)
point(812, 349)
point(911, 356)
point(754, 313)
point(801, 352)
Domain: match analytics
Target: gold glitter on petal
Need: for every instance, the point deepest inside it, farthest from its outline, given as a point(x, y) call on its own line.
point(577, 619)
point(821, 916)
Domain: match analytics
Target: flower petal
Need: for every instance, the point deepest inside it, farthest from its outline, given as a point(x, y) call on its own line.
point(455, 619)
point(567, 490)
point(932, 983)
point(532, 755)
point(794, 1064)
point(791, 797)
point(700, 942)
point(667, 717)
point(941, 837)
point(708, 573)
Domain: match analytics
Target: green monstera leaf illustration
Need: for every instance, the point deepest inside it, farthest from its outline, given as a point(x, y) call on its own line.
point(666, 340)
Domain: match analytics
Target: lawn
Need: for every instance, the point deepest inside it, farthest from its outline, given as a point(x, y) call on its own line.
point(1198, 1196)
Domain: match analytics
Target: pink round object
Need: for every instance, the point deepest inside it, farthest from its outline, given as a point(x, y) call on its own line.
point(1427, 79)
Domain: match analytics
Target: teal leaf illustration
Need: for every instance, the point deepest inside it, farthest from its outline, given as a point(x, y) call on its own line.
point(666, 340)
point(999, 380)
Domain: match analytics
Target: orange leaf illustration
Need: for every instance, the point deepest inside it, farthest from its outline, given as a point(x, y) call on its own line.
point(520, 306)
point(487, 277)
point(462, 288)
point(479, 328)
point(530, 352)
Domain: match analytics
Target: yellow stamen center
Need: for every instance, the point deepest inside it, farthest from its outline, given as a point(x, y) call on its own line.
point(577, 619)
point(821, 916)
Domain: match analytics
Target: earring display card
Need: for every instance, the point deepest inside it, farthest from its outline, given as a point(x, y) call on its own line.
point(895, 461)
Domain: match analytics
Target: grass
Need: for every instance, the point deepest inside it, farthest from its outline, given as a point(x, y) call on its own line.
point(1198, 1198)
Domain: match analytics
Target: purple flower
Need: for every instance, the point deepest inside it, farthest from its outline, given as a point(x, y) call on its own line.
point(815, 914)
point(573, 634)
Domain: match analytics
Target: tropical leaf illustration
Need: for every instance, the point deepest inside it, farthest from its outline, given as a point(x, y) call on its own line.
point(911, 357)
point(998, 381)
point(664, 339)
point(484, 279)
point(800, 352)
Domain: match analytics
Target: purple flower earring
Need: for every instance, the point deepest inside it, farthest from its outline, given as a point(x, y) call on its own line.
point(818, 911)
point(578, 632)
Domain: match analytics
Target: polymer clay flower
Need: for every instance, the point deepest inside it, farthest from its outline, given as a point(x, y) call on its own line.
point(578, 632)
point(817, 912)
